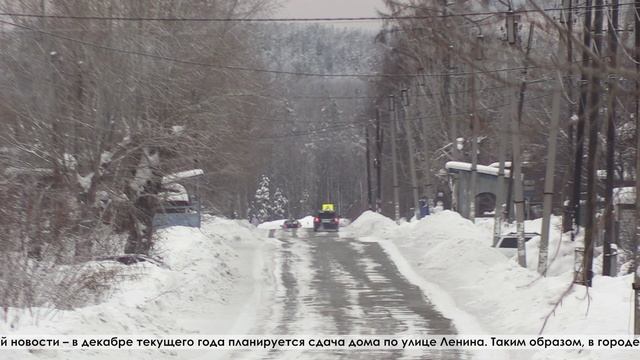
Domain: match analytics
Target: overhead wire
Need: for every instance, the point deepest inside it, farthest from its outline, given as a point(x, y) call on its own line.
point(292, 19)
point(250, 69)
point(353, 125)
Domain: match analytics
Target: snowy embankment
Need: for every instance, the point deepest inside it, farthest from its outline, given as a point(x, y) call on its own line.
point(453, 255)
point(211, 280)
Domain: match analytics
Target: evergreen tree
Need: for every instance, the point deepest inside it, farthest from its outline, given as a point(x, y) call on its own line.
point(280, 205)
point(260, 207)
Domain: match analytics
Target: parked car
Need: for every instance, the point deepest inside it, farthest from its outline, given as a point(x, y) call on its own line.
point(291, 224)
point(508, 244)
point(326, 221)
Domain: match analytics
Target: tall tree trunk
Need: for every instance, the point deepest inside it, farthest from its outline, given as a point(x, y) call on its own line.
point(636, 245)
point(517, 160)
point(549, 177)
point(590, 228)
point(567, 219)
point(611, 133)
point(584, 77)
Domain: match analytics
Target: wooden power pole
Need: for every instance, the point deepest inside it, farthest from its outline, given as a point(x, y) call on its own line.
point(393, 114)
point(368, 158)
point(404, 99)
point(446, 93)
point(377, 163)
point(474, 150)
point(500, 209)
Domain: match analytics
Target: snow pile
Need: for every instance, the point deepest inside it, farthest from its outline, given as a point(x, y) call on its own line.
point(456, 255)
point(196, 291)
point(561, 249)
point(371, 224)
point(270, 225)
point(307, 222)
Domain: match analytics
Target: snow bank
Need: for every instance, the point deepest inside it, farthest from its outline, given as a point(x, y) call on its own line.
point(371, 224)
point(270, 225)
point(456, 255)
point(200, 290)
point(306, 222)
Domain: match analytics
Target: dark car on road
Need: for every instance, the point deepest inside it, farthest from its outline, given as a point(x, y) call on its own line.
point(326, 221)
point(291, 224)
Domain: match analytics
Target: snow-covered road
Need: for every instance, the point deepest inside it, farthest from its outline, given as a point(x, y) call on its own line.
point(340, 286)
point(437, 276)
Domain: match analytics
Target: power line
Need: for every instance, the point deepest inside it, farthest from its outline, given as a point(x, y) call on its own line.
point(346, 126)
point(248, 69)
point(290, 19)
point(414, 96)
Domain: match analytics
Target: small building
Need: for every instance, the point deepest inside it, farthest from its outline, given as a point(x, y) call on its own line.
point(486, 188)
point(180, 200)
point(624, 204)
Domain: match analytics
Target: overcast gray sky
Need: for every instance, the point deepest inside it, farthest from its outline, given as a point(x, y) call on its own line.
point(330, 8)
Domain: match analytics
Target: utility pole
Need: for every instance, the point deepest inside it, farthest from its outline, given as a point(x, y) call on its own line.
point(474, 150)
point(500, 209)
point(404, 96)
point(590, 230)
point(378, 161)
point(611, 134)
point(368, 156)
point(428, 186)
point(393, 115)
point(577, 173)
point(503, 199)
point(523, 83)
point(636, 246)
point(446, 93)
point(516, 166)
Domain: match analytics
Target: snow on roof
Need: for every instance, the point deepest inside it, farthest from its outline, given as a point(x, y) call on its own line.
point(624, 195)
point(482, 169)
point(182, 175)
point(507, 164)
point(174, 192)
